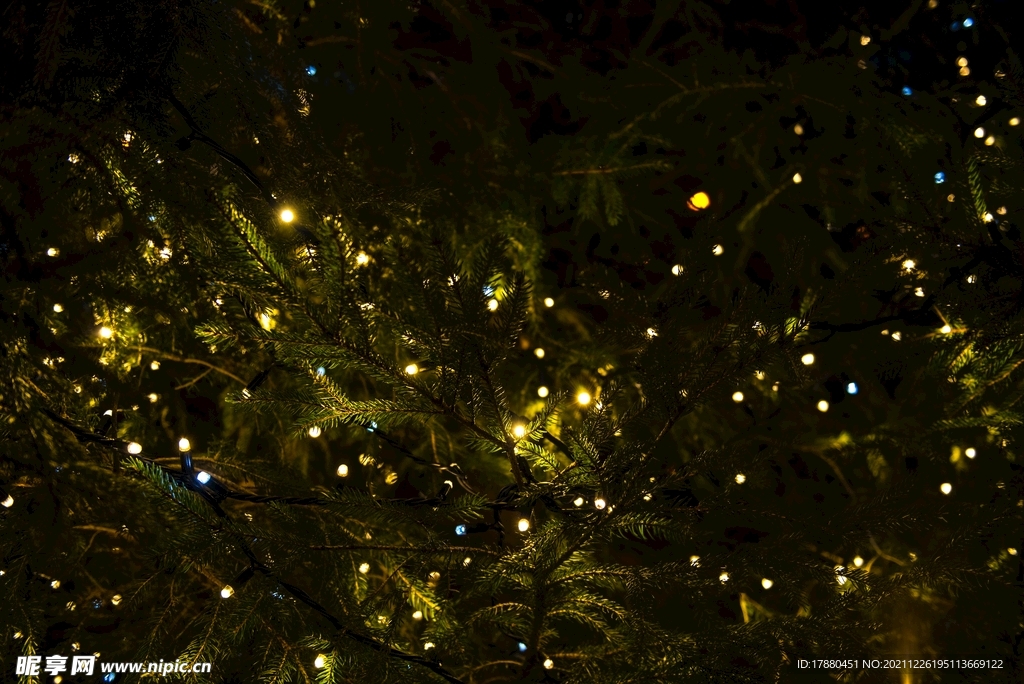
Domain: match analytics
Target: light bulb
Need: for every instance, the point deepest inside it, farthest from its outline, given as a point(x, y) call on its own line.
point(971, 452)
point(519, 431)
point(767, 583)
point(858, 561)
point(807, 359)
point(723, 578)
point(53, 251)
point(548, 663)
point(946, 488)
point(919, 292)
point(962, 61)
point(1015, 121)
point(695, 561)
point(115, 599)
point(542, 391)
point(740, 478)
point(412, 369)
point(460, 530)
point(492, 305)
point(549, 302)
point(106, 333)
point(652, 333)
point(364, 568)
point(737, 397)
point(184, 444)
point(909, 265)
point(287, 215)
point(203, 477)
point(362, 259)
point(946, 329)
point(979, 132)
point(698, 201)
point(600, 503)
point(583, 398)
point(797, 178)
point(466, 561)
point(315, 431)
point(417, 615)
point(343, 470)
point(759, 374)
point(990, 140)
point(578, 501)
point(965, 71)
point(429, 645)
point(523, 525)
point(851, 388)
point(677, 270)
point(134, 448)
point(798, 129)
point(539, 352)
point(981, 101)
point(522, 647)
point(155, 365)
point(718, 250)
point(823, 406)
point(227, 591)
point(58, 308)
point(864, 40)
point(153, 398)
point(1011, 551)
point(320, 661)
point(7, 502)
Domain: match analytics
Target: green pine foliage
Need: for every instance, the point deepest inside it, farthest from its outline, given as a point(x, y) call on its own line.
point(501, 400)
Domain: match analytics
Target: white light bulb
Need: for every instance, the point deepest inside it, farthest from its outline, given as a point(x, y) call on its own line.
point(134, 448)
point(981, 101)
point(718, 250)
point(287, 215)
point(548, 663)
point(737, 397)
point(417, 615)
point(807, 359)
point(429, 645)
point(153, 398)
point(858, 561)
point(362, 258)
point(971, 452)
point(58, 308)
point(364, 568)
point(184, 444)
point(343, 470)
point(797, 178)
point(767, 583)
point(412, 369)
point(909, 265)
point(979, 132)
point(519, 431)
point(600, 503)
point(315, 431)
point(823, 406)
point(946, 329)
point(740, 478)
point(523, 525)
point(723, 578)
point(677, 270)
point(203, 477)
point(583, 398)
point(320, 661)
point(106, 333)
point(53, 251)
point(7, 502)
point(492, 304)
point(542, 391)
point(227, 591)
point(946, 488)
point(538, 352)
point(579, 501)
point(549, 302)
point(695, 561)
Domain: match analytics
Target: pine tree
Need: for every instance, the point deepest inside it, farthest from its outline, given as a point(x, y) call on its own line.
point(497, 342)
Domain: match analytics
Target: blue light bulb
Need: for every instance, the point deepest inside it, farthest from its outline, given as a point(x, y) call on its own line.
point(940, 177)
point(373, 426)
point(460, 530)
point(109, 677)
point(311, 70)
point(955, 26)
point(488, 290)
point(968, 22)
point(320, 371)
point(907, 91)
point(852, 388)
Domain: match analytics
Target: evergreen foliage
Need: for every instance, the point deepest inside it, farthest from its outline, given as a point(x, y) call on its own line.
point(511, 342)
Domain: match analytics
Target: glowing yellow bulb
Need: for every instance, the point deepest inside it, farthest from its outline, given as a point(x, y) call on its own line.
point(723, 578)
point(718, 250)
point(1011, 551)
point(412, 369)
point(583, 398)
point(695, 561)
point(523, 525)
point(971, 452)
point(981, 101)
point(698, 201)
point(184, 444)
point(798, 129)
point(600, 503)
point(134, 448)
point(106, 333)
point(315, 431)
point(737, 397)
point(965, 71)
point(417, 615)
point(1015, 121)
point(548, 663)
point(7, 502)
point(55, 584)
point(909, 265)
point(320, 661)
point(740, 478)
point(767, 583)
point(538, 352)
point(988, 217)
point(287, 215)
point(990, 140)
point(153, 398)
point(807, 359)
point(492, 304)
point(823, 406)
point(979, 132)
point(362, 259)
point(797, 178)
point(542, 391)
point(962, 61)
point(549, 302)
point(946, 488)
point(227, 591)
point(519, 431)
point(864, 40)
point(858, 561)
point(429, 645)
point(58, 308)
point(652, 333)
point(343, 470)
point(677, 270)
point(116, 599)
point(53, 251)
point(364, 568)
point(579, 501)
point(919, 292)
point(1001, 211)
point(946, 329)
